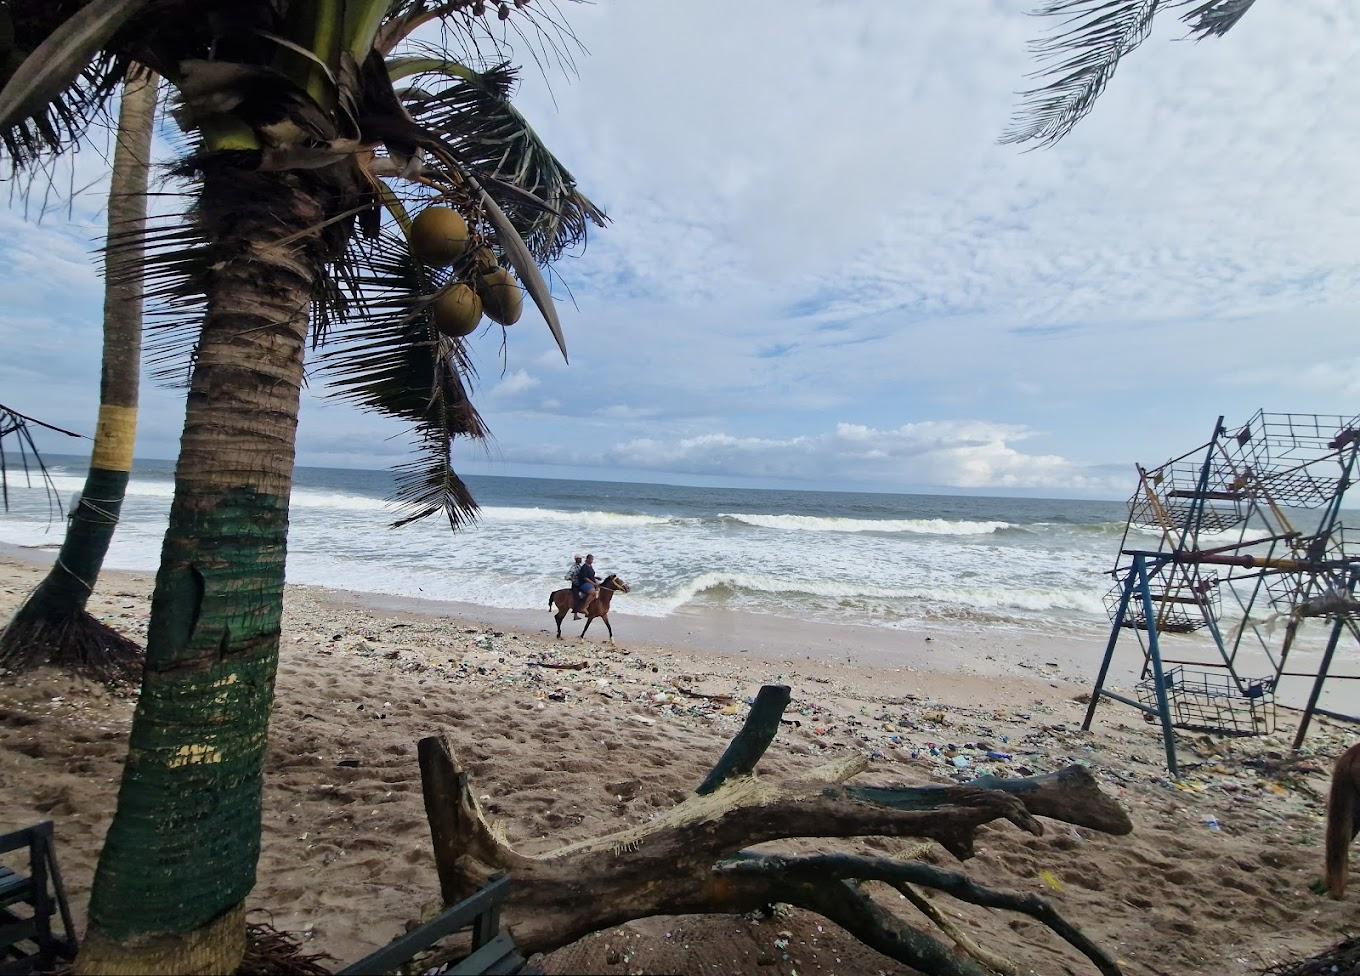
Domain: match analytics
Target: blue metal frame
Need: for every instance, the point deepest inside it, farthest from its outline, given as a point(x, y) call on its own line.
point(1180, 544)
point(1137, 578)
point(1338, 625)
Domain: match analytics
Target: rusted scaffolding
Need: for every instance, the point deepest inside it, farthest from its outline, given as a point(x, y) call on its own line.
point(1249, 520)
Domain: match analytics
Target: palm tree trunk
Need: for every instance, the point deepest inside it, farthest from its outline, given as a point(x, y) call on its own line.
point(52, 623)
point(180, 856)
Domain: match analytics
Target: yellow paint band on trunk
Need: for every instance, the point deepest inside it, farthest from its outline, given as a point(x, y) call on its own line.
point(114, 438)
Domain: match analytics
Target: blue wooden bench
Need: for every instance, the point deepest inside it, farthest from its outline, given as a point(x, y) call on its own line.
point(493, 951)
point(28, 902)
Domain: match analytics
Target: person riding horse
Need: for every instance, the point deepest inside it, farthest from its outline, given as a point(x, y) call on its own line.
point(573, 572)
point(586, 583)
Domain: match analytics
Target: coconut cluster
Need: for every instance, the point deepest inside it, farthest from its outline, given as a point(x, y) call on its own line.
point(440, 238)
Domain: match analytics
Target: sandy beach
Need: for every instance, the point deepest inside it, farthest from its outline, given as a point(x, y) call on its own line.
point(1212, 881)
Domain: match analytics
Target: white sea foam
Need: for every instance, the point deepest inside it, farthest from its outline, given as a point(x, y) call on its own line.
point(68, 485)
point(813, 523)
point(784, 586)
point(888, 571)
point(916, 600)
point(590, 520)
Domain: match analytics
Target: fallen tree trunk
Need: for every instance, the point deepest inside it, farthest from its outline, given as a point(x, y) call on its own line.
point(693, 860)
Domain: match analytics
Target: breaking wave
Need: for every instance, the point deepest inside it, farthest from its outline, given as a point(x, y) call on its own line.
point(590, 520)
point(814, 523)
point(887, 561)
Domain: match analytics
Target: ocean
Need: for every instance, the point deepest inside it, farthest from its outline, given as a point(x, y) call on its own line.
point(882, 560)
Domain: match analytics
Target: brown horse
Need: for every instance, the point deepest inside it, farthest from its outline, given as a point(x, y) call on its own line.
point(598, 607)
point(1343, 819)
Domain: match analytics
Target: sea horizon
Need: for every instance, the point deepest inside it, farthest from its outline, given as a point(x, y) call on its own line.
point(668, 479)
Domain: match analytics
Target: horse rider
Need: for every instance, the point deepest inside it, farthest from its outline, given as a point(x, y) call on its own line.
point(586, 583)
point(573, 572)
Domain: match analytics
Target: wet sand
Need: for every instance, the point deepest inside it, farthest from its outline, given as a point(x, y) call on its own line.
point(561, 755)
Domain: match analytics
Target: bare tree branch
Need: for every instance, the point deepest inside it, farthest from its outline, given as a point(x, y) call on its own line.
point(825, 866)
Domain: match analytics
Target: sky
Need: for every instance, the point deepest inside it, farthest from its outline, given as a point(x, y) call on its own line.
point(823, 271)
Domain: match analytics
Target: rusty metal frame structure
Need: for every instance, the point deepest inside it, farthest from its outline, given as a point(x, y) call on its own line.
point(1225, 518)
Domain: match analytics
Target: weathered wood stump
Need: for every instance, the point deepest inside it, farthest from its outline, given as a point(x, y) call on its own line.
point(693, 860)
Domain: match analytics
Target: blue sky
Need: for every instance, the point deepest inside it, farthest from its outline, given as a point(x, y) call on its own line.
point(823, 271)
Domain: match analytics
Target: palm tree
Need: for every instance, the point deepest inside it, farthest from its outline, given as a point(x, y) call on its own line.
point(1080, 55)
point(307, 158)
point(52, 623)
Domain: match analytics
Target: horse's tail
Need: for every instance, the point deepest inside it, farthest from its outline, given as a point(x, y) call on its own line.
point(1341, 819)
point(550, 600)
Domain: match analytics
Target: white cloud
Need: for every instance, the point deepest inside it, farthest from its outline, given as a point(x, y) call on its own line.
point(1295, 373)
point(857, 169)
point(624, 411)
point(812, 222)
point(515, 382)
point(949, 453)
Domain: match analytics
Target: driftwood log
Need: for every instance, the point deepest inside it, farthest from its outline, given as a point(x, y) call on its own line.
point(693, 860)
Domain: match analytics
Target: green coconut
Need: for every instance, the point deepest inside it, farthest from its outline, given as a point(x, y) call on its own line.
point(484, 260)
point(457, 311)
point(501, 297)
point(439, 236)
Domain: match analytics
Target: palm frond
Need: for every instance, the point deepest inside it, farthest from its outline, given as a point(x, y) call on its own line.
point(474, 118)
point(56, 74)
point(179, 257)
point(383, 354)
point(1077, 60)
point(18, 426)
point(474, 31)
point(430, 486)
point(1215, 18)
point(522, 260)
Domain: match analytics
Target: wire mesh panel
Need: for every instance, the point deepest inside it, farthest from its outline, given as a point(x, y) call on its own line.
point(1295, 454)
point(1170, 499)
point(1204, 701)
point(1183, 600)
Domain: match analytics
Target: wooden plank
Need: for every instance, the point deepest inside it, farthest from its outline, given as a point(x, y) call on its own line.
point(457, 917)
point(486, 957)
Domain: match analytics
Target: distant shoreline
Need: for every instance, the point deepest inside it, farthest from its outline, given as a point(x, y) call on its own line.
point(988, 652)
point(924, 491)
point(979, 652)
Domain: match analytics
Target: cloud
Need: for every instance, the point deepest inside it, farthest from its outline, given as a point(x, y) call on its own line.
point(515, 382)
point(623, 411)
point(930, 454)
point(1340, 375)
point(818, 228)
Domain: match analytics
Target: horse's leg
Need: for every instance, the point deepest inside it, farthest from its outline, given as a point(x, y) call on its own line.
point(587, 626)
point(605, 618)
point(559, 617)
